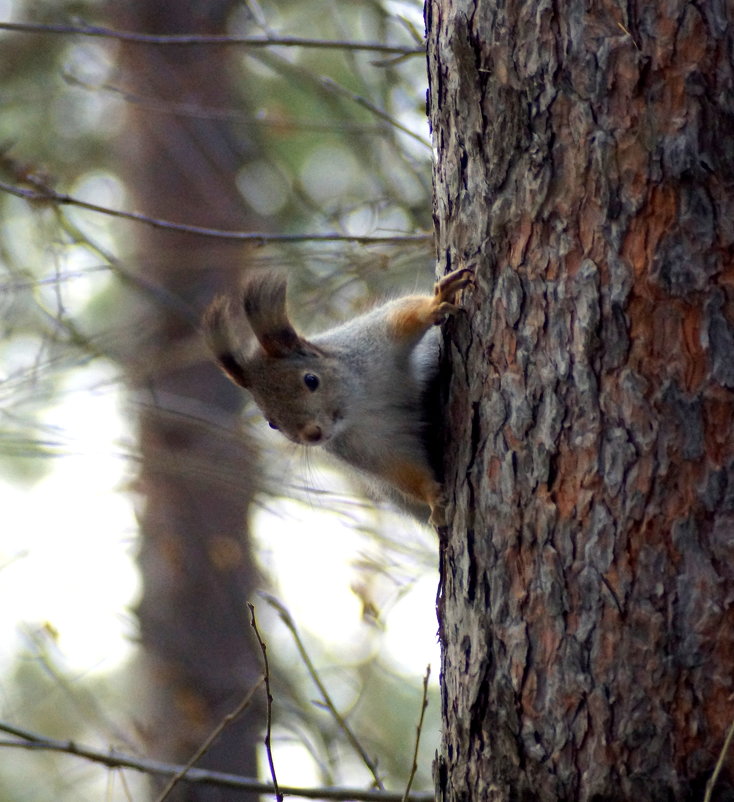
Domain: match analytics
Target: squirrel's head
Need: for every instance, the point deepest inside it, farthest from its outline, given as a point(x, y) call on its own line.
point(295, 384)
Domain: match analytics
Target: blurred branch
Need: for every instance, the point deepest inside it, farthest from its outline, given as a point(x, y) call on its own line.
point(208, 39)
point(48, 195)
point(152, 289)
point(159, 105)
point(418, 730)
point(298, 74)
point(333, 86)
point(204, 748)
point(114, 759)
point(340, 720)
point(269, 695)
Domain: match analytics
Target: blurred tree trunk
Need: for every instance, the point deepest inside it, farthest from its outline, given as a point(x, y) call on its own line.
point(585, 165)
point(195, 478)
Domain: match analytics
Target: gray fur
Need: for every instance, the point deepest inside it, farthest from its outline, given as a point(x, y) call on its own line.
point(357, 389)
point(383, 391)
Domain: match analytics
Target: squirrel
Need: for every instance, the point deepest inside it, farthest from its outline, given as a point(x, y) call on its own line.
point(357, 389)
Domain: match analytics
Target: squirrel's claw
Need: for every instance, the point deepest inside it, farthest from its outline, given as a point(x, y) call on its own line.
point(444, 310)
point(446, 288)
point(444, 293)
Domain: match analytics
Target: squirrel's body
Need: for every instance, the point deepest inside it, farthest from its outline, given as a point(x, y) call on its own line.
point(383, 404)
point(357, 389)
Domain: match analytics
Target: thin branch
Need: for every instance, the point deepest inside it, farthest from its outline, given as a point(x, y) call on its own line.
point(269, 696)
point(418, 730)
point(346, 729)
point(204, 748)
point(156, 292)
point(719, 764)
point(114, 759)
point(198, 111)
point(48, 195)
point(333, 86)
point(187, 39)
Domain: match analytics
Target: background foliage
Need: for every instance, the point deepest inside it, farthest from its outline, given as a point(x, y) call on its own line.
point(332, 141)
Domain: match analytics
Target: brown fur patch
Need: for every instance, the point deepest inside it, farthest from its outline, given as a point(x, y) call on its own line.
point(416, 481)
point(412, 317)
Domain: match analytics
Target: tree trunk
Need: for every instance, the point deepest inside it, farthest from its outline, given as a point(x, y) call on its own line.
point(195, 477)
point(585, 166)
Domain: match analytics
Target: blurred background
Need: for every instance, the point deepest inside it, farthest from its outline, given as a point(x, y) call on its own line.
point(144, 501)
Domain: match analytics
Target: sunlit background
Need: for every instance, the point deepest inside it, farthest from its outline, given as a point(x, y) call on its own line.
point(358, 579)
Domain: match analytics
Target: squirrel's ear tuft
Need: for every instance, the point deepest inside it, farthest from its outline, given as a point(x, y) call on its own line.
point(219, 338)
point(263, 297)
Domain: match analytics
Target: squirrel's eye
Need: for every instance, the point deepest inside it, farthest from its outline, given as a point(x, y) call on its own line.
point(311, 381)
point(272, 425)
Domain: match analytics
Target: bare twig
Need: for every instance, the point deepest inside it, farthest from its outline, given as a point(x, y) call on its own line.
point(204, 748)
point(333, 86)
point(25, 739)
point(196, 110)
point(132, 37)
point(157, 292)
point(719, 764)
point(329, 704)
point(418, 730)
point(269, 695)
point(632, 38)
point(48, 195)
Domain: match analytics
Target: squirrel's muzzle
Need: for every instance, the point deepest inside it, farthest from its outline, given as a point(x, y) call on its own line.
point(311, 433)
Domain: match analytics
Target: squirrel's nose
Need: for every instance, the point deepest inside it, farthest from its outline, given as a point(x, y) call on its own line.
point(311, 433)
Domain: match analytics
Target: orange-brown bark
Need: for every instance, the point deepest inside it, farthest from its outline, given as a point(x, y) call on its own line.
point(584, 165)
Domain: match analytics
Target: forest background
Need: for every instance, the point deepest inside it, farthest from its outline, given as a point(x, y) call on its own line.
point(127, 464)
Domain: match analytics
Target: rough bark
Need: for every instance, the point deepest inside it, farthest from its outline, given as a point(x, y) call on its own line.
point(195, 478)
point(585, 165)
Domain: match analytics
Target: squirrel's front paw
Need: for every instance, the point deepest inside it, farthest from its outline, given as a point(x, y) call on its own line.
point(446, 288)
point(445, 292)
point(438, 518)
point(437, 503)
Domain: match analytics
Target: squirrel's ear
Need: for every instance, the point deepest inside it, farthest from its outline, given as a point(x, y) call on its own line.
point(263, 297)
point(219, 337)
